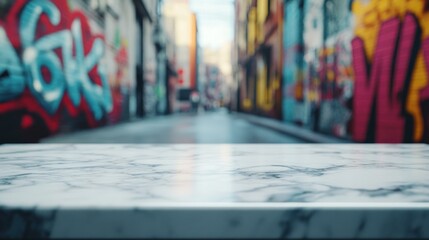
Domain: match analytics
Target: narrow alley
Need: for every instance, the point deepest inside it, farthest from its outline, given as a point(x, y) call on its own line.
point(209, 127)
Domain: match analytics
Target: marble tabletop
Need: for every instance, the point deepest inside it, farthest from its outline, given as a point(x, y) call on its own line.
point(214, 190)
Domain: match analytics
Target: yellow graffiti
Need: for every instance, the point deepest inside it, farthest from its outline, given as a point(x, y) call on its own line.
point(265, 94)
point(369, 17)
point(261, 86)
point(299, 86)
point(261, 17)
point(247, 104)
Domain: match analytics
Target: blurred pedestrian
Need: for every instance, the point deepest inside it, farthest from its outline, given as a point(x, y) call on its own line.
point(195, 101)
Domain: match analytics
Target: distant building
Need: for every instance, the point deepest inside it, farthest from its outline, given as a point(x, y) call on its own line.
point(221, 58)
point(181, 27)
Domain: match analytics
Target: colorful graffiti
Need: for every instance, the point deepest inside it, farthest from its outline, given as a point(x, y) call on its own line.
point(390, 61)
point(313, 43)
point(51, 62)
point(366, 80)
point(336, 80)
point(118, 79)
point(269, 58)
point(293, 64)
point(260, 89)
point(355, 69)
point(328, 80)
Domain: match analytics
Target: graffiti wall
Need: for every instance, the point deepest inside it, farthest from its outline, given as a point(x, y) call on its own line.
point(329, 73)
point(391, 65)
point(260, 89)
point(269, 61)
point(293, 64)
point(51, 70)
point(366, 69)
point(247, 70)
point(118, 60)
point(313, 34)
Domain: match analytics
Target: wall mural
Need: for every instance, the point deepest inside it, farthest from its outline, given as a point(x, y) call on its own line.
point(368, 80)
point(313, 44)
point(261, 72)
point(119, 78)
point(51, 62)
point(293, 64)
point(335, 70)
point(269, 60)
point(391, 65)
point(359, 69)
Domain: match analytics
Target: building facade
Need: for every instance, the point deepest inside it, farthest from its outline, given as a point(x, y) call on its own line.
point(68, 65)
point(259, 56)
point(352, 69)
point(181, 29)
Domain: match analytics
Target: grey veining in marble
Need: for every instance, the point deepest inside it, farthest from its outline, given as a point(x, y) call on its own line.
point(346, 190)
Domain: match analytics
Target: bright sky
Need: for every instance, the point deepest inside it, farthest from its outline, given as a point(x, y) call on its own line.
point(215, 21)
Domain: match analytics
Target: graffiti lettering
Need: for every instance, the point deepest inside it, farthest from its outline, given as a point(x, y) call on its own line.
point(62, 63)
point(382, 91)
point(12, 81)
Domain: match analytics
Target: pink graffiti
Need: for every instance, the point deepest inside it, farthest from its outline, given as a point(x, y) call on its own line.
point(381, 89)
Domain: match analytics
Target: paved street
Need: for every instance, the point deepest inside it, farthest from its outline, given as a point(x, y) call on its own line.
point(211, 127)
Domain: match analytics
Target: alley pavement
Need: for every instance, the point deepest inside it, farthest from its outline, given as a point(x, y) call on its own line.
point(206, 127)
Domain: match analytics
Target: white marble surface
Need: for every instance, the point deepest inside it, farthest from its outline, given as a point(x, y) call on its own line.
point(287, 190)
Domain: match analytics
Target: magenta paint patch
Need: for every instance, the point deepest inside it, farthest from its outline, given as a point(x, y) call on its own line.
point(384, 83)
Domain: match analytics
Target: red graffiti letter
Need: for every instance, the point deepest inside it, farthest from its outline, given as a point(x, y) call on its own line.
point(391, 97)
point(379, 104)
point(381, 74)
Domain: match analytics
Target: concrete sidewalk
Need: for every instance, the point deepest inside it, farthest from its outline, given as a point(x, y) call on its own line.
point(290, 129)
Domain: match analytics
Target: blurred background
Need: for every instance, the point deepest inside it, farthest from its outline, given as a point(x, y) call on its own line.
point(214, 71)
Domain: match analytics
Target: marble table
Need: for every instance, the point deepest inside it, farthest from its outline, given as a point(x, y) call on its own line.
point(214, 191)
